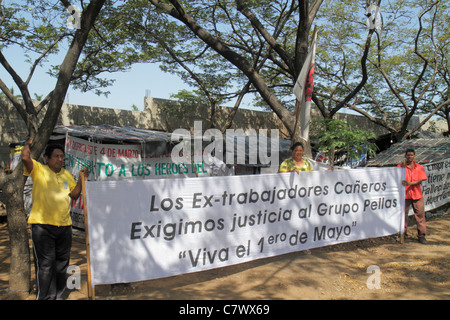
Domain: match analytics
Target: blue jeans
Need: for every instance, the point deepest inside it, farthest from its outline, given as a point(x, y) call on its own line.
point(51, 251)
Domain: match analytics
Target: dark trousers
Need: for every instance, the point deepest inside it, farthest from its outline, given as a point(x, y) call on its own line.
point(419, 214)
point(51, 251)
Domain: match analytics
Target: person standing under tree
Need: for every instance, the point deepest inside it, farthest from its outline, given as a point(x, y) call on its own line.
point(415, 174)
point(51, 224)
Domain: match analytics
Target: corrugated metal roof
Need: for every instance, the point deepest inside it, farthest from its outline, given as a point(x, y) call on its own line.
point(113, 133)
point(427, 151)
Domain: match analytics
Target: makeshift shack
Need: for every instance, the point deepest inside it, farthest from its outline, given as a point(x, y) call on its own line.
point(434, 155)
point(427, 150)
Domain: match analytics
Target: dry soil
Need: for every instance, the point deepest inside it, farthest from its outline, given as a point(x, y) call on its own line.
point(408, 270)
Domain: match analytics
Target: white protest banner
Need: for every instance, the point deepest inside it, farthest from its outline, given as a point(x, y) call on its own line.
point(436, 190)
point(147, 229)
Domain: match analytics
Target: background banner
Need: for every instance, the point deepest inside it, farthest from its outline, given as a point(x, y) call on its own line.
point(436, 190)
point(124, 162)
point(146, 229)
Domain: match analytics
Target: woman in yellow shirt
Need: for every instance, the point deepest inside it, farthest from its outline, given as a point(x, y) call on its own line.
point(296, 163)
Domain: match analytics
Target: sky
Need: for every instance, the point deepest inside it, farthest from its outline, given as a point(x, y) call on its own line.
point(130, 88)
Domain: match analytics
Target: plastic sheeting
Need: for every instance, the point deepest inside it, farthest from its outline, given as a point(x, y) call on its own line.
point(427, 151)
point(157, 143)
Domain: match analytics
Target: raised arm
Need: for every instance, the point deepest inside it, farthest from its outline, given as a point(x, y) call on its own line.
point(26, 156)
point(77, 190)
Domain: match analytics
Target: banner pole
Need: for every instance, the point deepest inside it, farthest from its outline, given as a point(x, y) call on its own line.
point(298, 106)
point(299, 101)
point(91, 291)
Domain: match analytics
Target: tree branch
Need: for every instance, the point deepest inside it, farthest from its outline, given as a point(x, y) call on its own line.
point(257, 25)
point(21, 84)
point(237, 60)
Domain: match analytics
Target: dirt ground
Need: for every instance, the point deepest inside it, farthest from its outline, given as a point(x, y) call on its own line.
point(406, 271)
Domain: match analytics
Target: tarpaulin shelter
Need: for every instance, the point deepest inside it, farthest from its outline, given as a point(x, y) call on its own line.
point(154, 142)
point(427, 150)
point(434, 155)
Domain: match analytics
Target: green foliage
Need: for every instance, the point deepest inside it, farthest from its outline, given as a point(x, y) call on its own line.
point(189, 104)
point(336, 135)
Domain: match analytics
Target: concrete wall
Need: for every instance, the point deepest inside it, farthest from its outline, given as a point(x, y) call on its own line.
point(244, 119)
point(12, 128)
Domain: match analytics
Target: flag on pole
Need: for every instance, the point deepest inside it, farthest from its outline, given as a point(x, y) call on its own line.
point(303, 91)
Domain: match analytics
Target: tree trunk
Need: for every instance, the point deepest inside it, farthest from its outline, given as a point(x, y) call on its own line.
point(13, 184)
point(19, 270)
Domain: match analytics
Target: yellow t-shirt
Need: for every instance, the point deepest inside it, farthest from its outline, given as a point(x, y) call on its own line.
point(289, 165)
point(51, 201)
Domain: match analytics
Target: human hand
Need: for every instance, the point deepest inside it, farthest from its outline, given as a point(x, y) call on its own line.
point(84, 172)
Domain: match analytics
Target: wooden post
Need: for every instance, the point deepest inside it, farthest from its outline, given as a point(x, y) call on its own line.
point(298, 105)
point(91, 291)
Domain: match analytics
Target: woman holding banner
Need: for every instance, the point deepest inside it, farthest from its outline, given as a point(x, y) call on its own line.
point(296, 163)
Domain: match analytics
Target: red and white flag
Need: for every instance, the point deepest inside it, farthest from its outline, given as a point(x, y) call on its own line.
point(303, 90)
